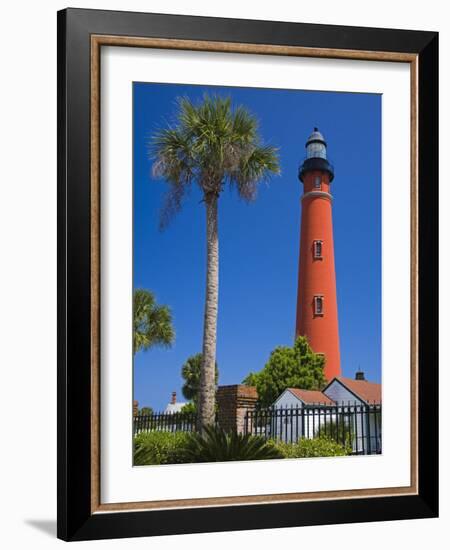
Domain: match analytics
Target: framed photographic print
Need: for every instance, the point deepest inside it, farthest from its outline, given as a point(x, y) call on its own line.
point(247, 274)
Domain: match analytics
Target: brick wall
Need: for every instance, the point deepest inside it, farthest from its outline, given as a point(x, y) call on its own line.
point(233, 402)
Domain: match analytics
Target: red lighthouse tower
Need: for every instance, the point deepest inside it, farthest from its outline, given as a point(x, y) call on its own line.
point(317, 316)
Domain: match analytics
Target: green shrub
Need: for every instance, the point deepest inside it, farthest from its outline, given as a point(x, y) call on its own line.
point(189, 408)
point(306, 448)
point(216, 445)
point(337, 430)
point(159, 448)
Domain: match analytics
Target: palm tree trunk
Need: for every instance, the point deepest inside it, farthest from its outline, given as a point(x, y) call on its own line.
point(207, 377)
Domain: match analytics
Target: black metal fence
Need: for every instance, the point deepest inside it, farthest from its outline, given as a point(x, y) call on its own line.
point(163, 422)
point(353, 425)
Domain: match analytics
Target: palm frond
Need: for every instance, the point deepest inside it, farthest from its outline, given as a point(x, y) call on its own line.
point(173, 161)
point(245, 126)
point(152, 324)
point(258, 166)
point(216, 445)
point(211, 143)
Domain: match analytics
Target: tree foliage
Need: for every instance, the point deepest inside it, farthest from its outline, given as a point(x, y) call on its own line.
point(288, 367)
point(211, 143)
point(191, 372)
point(189, 408)
point(152, 323)
point(145, 411)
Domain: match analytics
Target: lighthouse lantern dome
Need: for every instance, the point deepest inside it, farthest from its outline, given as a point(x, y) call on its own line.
point(316, 146)
point(316, 156)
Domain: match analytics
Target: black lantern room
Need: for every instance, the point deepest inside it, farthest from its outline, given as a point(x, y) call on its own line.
point(316, 156)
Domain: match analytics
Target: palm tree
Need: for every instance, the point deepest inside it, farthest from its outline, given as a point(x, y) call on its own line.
point(191, 373)
point(213, 145)
point(152, 324)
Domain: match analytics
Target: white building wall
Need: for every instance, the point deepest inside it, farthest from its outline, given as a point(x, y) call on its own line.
point(300, 423)
point(362, 424)
point(341, 395)
point(288, 399)
point(288, 428)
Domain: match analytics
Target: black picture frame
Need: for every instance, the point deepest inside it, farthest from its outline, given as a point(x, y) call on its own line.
point(75, 519)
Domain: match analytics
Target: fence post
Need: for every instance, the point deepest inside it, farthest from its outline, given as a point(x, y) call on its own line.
point(369, 443)
point(375, 408)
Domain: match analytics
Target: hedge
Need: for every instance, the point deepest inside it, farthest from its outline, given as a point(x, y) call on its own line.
point(159, 448)
point(307, 448)
point(175, 448)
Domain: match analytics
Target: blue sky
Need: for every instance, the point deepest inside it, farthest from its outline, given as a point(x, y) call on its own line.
point(259, 242)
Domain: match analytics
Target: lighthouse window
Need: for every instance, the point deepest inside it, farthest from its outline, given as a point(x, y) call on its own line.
point(318, 305)
point(317, 182)
point(317, 249)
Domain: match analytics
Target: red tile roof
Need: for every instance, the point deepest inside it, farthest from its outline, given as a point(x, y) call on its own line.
point(311, 396)
point(370, 392)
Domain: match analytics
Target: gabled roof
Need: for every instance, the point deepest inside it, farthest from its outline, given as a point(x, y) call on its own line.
point(370, 392)
point(310, 397)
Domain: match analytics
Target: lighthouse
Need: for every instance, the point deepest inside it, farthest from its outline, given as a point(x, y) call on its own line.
point(317, 315)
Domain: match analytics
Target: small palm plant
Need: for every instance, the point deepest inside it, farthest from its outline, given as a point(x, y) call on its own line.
point(191, 373)
point(213, 145)
point(215, 445)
